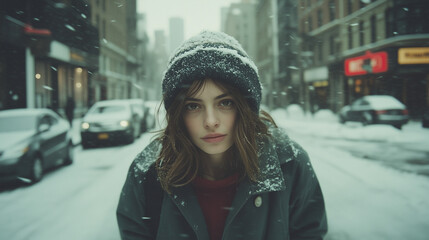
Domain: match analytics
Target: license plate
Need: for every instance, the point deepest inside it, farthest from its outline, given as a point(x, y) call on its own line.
point(103, 136)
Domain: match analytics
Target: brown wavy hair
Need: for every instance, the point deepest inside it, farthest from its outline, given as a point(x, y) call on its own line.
point(179, 160)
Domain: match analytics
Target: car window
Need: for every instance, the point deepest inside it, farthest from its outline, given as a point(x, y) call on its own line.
point(357, 103)
point(108, 109)
point(363, 103)
point(45, 120)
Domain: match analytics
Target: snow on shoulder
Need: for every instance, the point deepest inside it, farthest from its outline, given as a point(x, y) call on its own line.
point(147, 157)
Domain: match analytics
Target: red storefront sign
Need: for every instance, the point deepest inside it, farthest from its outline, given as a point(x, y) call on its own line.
point(368, 63)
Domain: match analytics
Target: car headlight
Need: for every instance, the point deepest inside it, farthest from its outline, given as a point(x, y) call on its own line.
point(85, 126)
point(124, 123)
point(15, 152)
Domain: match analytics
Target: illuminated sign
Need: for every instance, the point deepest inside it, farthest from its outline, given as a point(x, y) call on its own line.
point(413, 55)
point(77, 57)
point(368, 63)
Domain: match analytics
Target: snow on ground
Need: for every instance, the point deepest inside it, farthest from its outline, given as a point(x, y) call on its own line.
point(364, 199)
point(324, 124)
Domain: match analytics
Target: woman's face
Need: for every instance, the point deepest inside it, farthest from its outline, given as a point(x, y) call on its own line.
point(209, 118)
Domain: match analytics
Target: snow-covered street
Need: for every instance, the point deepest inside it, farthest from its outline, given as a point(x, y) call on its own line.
point(365, 197)
point(74, 202)
point(371, 191)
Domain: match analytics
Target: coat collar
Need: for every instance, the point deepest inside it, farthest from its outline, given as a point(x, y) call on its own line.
point(271, 175)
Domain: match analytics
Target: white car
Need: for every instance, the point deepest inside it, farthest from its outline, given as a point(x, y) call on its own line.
point(375, 109)
point(110, 121)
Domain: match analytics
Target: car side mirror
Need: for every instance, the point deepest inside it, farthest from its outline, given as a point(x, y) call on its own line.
point(44, 127)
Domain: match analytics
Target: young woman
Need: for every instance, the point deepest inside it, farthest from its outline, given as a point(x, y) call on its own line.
point(221, 169)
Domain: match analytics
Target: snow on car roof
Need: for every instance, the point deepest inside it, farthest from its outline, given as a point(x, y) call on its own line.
point(24, 112)
point(112, 102)
point(384, 102)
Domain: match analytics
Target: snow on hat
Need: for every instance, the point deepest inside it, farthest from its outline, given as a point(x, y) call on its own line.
point(214, 55)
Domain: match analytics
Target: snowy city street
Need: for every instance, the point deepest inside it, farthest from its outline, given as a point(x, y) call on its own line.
point(367, 197)
point(87, 85)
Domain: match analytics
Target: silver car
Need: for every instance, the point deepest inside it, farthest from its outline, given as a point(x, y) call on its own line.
point(110, 121)
point(32, 141)
point(376, 109)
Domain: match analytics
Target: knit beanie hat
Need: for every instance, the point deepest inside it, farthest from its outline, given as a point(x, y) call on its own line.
point(214, 55)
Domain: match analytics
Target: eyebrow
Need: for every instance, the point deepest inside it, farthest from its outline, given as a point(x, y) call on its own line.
point(199, 100)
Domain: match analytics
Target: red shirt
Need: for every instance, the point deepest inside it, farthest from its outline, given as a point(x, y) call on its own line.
point(215, 198)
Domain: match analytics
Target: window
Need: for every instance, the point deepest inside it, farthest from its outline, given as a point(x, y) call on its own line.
point(373, 28)
point(331, 10)
point(103, 29)
point(361, 34)
point(350, 36)
point(332, 45)
point(349, 7)
point(389, 23)
point(361, 4)
point(319, 18)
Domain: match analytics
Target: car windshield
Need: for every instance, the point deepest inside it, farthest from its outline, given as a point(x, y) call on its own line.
point(107, 109)
point(17, 123)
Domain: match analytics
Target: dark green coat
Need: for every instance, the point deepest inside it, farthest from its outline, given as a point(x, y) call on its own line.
point(287, 202)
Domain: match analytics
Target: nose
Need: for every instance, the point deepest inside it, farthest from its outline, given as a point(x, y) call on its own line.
point(211, 119)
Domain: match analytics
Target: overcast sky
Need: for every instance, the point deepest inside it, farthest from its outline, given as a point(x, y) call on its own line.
point(197, 14)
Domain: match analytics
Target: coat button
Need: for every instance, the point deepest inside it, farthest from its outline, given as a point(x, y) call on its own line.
point(258, 201)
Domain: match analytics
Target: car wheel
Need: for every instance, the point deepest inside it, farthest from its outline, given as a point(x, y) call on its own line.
point(398, 126)
point(37, 170)
point(130, 138)
point(143, 127)
point(137, 130)
point(69, 155)
point(367, 119)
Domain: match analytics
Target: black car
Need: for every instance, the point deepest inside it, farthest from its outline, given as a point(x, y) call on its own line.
point(108, 122)
point(376, 109)
point(425, 118)
point(32, 141)
point(138, 107)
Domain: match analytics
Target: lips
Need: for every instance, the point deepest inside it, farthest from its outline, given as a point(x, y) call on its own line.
point(213, 138)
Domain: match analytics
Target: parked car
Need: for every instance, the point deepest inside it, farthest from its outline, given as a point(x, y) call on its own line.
point(32, 141)
point(138, 107)
point(155, 113)
point(109, 121)
point(376, 109)
point(425, 118)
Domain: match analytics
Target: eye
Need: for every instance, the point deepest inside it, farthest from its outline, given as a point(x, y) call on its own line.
point(192, 107)
point(226, 104)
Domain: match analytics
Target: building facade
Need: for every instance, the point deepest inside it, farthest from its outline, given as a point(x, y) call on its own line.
point(354, 48)
point(267, 50)
point(289, 75)
point(268, 31)
point(118, 76)
point(48, 53)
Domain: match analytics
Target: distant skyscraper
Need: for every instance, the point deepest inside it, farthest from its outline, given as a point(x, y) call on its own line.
point(176, 33)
